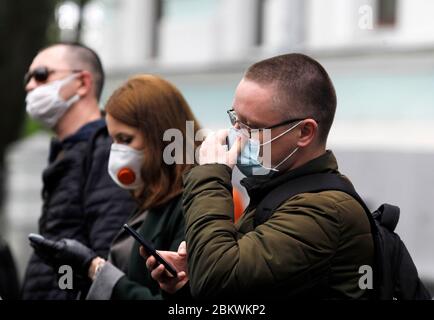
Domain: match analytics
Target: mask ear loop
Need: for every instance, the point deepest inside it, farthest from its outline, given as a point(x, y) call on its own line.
point(290, 155)
point(284, 160)
point(283, 133)
point(281, 162)
point(65, 81)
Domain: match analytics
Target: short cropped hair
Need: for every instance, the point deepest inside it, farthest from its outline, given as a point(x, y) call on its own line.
point(87, 59)
point(304, 88)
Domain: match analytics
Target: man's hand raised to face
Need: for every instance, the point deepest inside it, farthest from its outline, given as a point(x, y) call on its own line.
point(214, 149)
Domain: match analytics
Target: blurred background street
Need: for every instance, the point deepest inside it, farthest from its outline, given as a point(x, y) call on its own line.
point(379, 54)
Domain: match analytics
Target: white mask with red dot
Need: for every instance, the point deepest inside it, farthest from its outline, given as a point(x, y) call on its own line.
point(125, 165)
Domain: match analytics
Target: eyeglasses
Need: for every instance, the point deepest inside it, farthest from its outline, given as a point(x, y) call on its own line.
point(41, 74)
point(244, 127)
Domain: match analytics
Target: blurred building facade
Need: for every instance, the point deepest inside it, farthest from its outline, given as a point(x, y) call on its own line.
point(204, 32)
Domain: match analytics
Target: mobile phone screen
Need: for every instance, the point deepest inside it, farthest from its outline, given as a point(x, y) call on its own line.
point(150, 250)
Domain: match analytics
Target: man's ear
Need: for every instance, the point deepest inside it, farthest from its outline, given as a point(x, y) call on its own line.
point(308, 132)
point(86, 84)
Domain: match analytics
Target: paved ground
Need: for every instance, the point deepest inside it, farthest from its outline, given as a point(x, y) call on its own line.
point(405, 179)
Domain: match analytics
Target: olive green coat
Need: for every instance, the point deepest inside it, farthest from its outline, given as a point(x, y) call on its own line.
point(312, 246)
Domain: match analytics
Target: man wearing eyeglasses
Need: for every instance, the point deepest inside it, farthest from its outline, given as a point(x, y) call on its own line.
point(313, 244)
point(80, 200)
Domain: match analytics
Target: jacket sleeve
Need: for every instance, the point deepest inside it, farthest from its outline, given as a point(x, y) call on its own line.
point(112, 284)
point(106, 205)
point(280, 252)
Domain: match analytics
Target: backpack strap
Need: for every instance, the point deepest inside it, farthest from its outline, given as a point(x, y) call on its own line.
point(306, 184)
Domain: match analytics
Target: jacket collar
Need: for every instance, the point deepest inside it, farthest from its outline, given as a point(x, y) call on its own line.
point(82, 134)
point(258, 186)
point(153, 217)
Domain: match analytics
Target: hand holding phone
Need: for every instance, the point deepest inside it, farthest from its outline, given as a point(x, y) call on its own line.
point(150, 250)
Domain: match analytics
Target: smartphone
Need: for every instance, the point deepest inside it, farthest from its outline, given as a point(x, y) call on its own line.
point(150, 250)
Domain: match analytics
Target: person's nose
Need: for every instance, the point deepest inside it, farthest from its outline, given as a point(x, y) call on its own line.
point(31, 85)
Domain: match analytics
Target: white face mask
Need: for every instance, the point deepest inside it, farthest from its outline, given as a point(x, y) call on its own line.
point(125, 165)
point(45, 104)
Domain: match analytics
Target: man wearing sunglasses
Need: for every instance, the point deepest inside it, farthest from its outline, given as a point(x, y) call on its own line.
point(80, 200)
point(313, 244)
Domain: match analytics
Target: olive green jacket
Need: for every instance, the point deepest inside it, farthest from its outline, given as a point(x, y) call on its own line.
point(312, 246)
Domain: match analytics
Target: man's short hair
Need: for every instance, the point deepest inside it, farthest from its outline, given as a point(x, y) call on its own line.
point(305, 88)
point(83, 57)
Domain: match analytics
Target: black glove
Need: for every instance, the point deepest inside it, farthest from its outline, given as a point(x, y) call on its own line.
point(63, 252)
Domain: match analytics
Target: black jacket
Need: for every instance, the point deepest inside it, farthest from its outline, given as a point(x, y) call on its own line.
point(80, 201)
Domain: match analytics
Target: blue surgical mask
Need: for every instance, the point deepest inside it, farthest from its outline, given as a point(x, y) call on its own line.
point(248, 161)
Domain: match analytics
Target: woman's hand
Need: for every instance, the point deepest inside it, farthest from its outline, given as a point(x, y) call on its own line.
point(96, 264)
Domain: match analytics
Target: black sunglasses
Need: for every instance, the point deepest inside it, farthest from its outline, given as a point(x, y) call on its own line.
point(41, 74)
